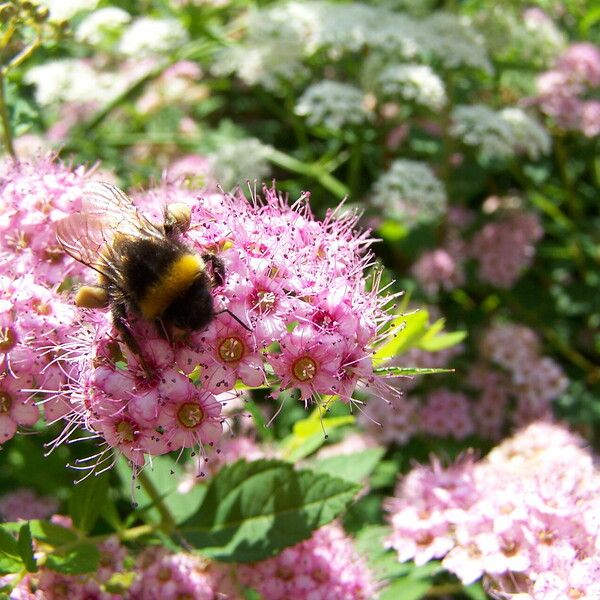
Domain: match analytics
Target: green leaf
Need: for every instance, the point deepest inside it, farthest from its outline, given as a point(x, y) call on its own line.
point(52, 534)
point(10, 557)
point(310, 434)
point(164, 475)
point(87, 500)
point(352, 467)
point(25, 544)
point(252, 510)
point(392, 231)
point(76, 560)
point(475, 592)
point(397, 371)
point(405, 589)
point(407, 328)
point(442, 341)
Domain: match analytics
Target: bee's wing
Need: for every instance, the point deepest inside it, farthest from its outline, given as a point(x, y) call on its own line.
point(106, 212)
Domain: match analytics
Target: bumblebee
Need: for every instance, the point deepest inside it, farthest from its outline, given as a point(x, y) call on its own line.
point(143, 268)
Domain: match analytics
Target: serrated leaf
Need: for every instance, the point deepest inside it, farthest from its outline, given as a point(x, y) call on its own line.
point(25, 544)
point(52, 534)
point(76, 560)
point(405, 589)
point(10, 557)
point(352, 467)
point(86, 501)
point(252, 510)
point(406, 329)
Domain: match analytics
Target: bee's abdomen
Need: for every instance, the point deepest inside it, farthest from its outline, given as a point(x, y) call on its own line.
point(157, 274)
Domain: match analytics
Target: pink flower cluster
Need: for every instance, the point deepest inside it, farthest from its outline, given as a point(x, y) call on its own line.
point(535, 380)
point(24, 504)
point(325, 567)
point(33, 315)
point(523, 516)
point(562, 91)
point(162, 575)
point(299, 316)
point(505, 247)
point(438, 269)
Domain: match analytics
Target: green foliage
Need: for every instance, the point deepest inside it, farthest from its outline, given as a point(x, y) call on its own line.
point(254, 510)
point(87, 501)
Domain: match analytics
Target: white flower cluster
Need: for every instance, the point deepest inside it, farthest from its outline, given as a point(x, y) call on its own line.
point(453, 42)
point(272, 51)
point(237, 161)
point(409, 192)
point(147, 36)
point(333, 105)
point(499, 135)
point(530, 136)
point(280, 38)
point(480, 126)
point(531, 37)
point(69, 80)
point(63, 10)
point(101, 24)
point(414, 83)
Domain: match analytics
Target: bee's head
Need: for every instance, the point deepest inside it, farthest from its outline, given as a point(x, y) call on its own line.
point(193, 309)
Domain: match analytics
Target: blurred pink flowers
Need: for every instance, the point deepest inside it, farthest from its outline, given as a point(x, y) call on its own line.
point(522, 510)
point(563, 91)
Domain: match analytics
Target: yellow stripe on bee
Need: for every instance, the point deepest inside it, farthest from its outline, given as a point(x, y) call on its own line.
point(174, 282)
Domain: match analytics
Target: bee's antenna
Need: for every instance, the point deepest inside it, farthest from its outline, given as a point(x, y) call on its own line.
point(226, 310)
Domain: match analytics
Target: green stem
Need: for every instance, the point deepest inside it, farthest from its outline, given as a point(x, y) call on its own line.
point(574, 201)
point(6, 129)
point(355, 166)
point(23, 55)
point(314, 171)
point(167, 520)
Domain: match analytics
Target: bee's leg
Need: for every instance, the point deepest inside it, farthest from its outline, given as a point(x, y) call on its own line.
point(218, 267)
point(119, 314)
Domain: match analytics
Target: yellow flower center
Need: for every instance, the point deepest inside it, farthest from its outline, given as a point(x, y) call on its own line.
point(304, 369)
point(7, 338)
point(5, 402)
point(231, 349)
point(190, 415)
point(125, 432)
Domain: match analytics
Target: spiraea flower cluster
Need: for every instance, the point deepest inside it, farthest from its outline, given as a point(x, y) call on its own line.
point(163, 575)
point(33, 315)
point(24, 504)
point(410, 192)
point(505, 247)
point(325, 567)
point(414, 83)
point(499, 135)
point(333, 105)
point(565, 93)
point(535, 380)
point(294, 313)
point(523, 516)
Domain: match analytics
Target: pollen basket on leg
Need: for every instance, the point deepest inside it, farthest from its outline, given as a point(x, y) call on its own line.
point(175, 281)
